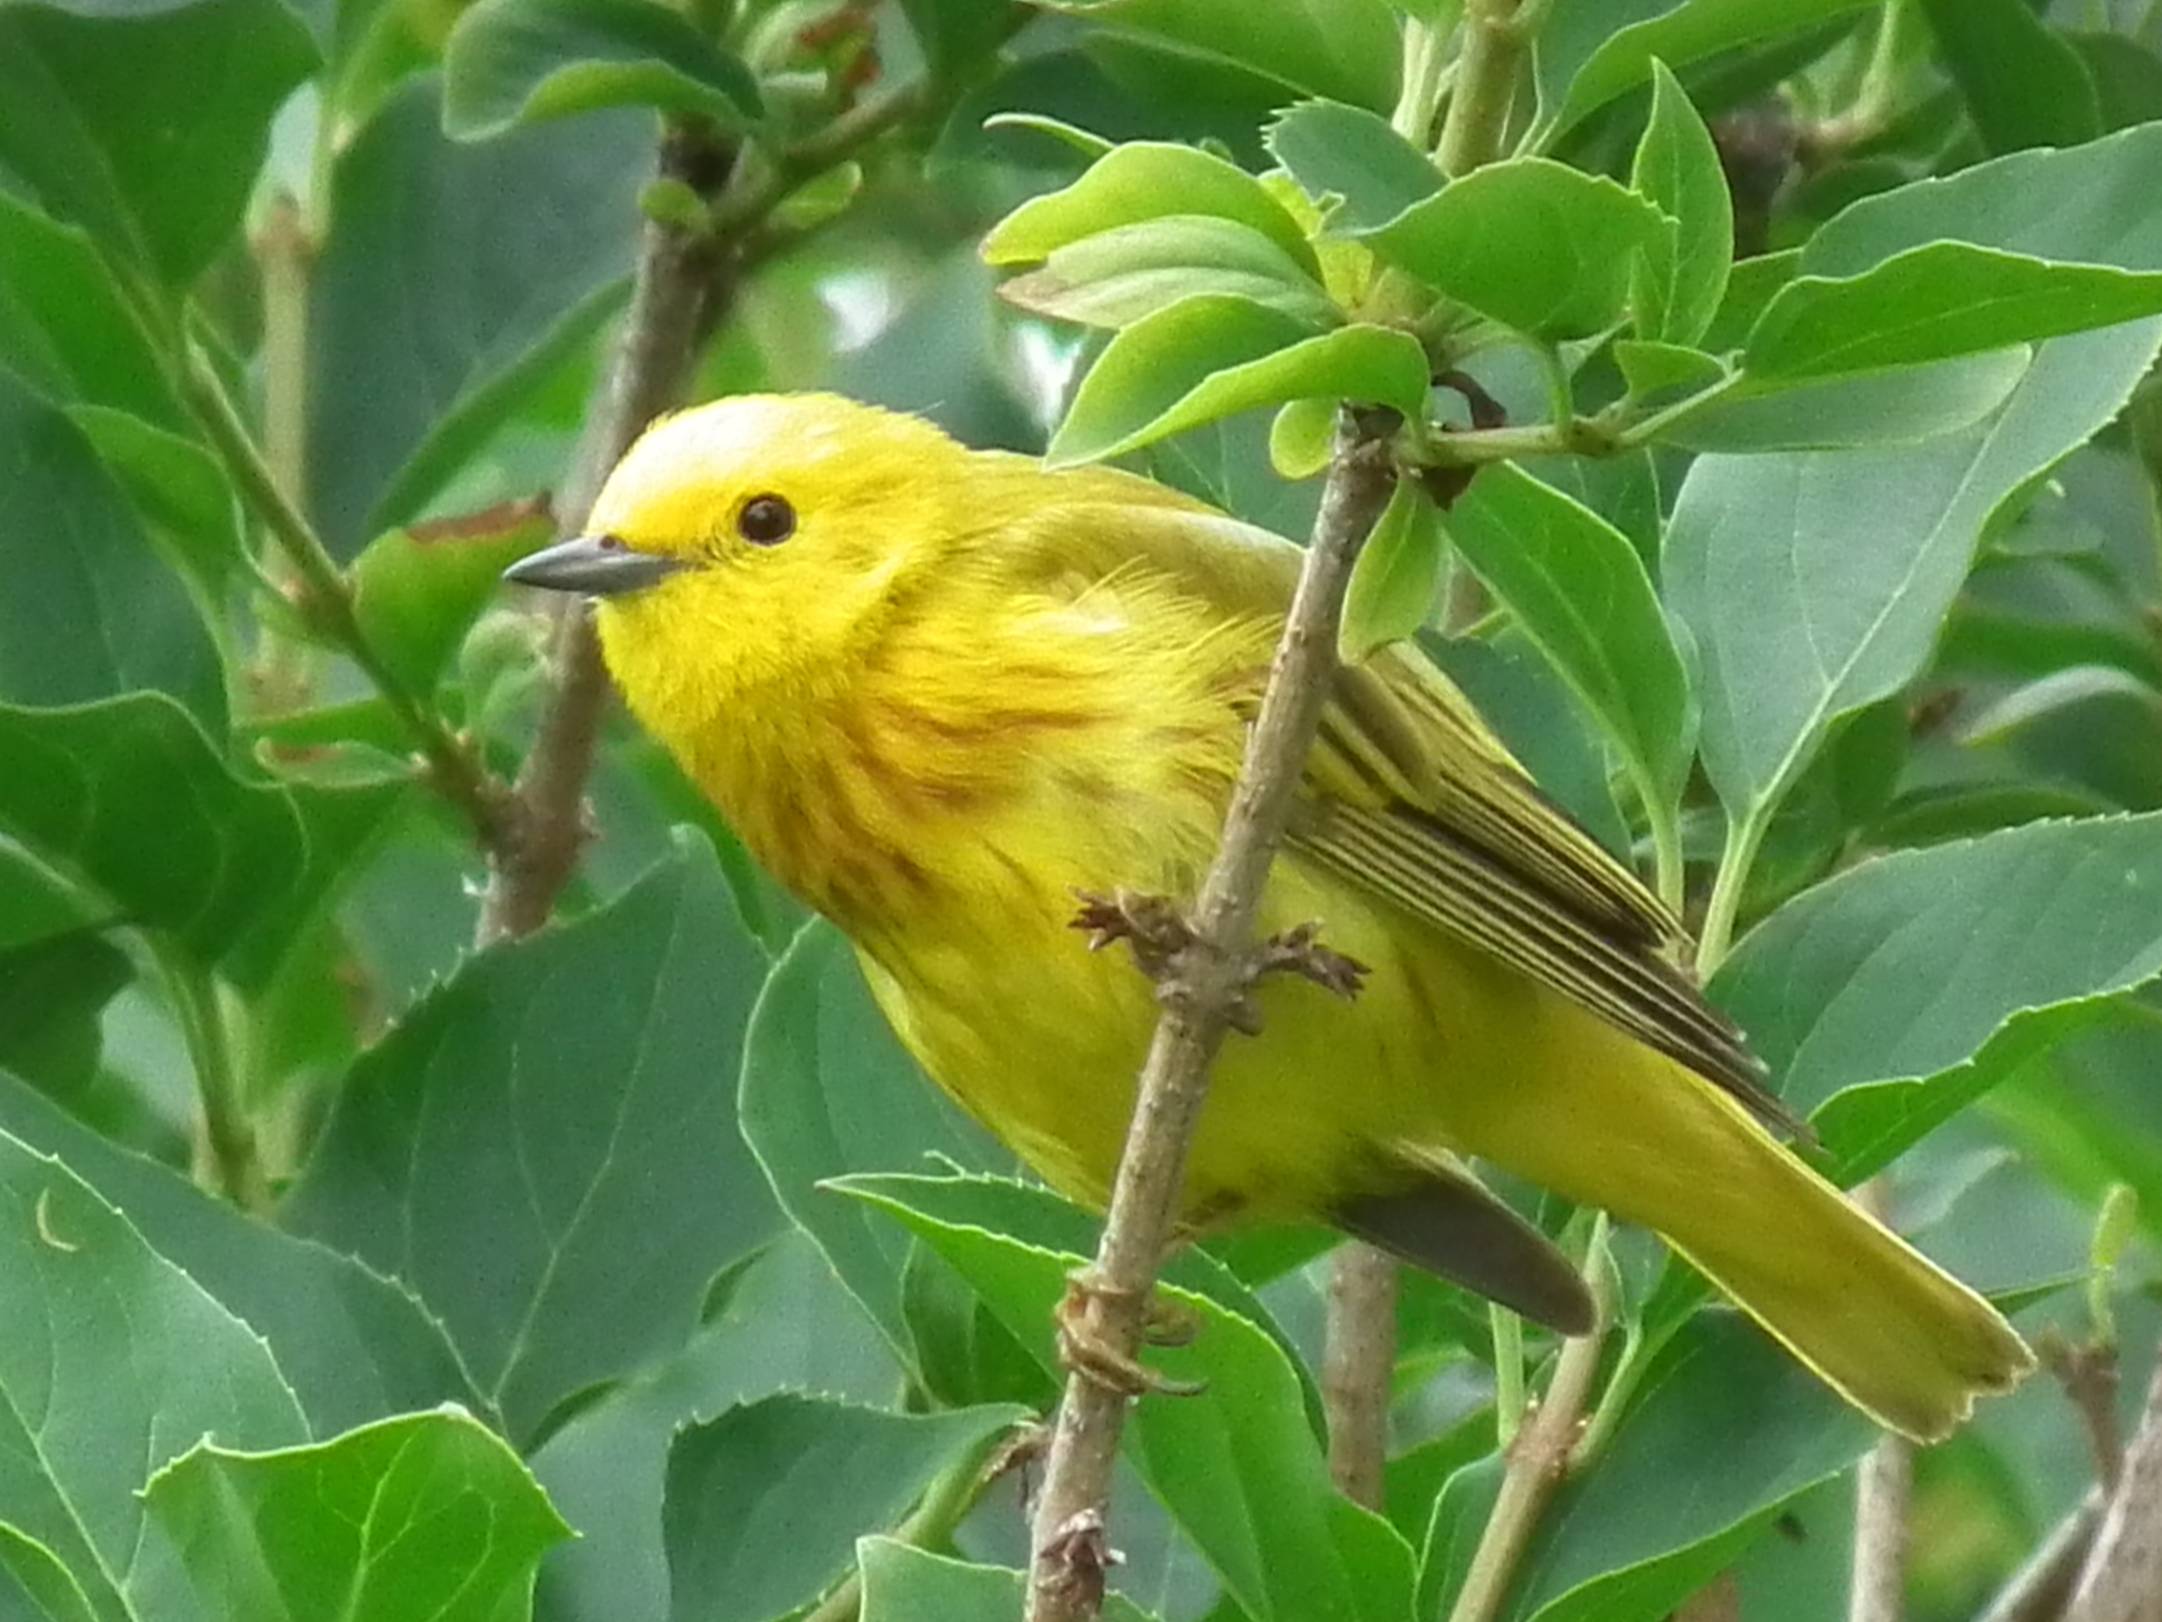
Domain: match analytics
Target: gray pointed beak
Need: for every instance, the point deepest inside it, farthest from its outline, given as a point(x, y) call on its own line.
point(597, 565)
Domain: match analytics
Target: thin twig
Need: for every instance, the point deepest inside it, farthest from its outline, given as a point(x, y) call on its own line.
point(2122, 1581)
point(1883, 1496)
point(228, 1160)
point(1540, 1457)
point(675, 300)
point(325, 597)
point(1198, 995)
point(1358, 1368)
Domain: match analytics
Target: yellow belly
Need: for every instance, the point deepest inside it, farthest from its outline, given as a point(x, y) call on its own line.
point(1042, 1040)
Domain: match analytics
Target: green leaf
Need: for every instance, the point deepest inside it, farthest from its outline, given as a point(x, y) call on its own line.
point(421, 1515)
point(180, 491)
point(500, 259)
point(1580, 592)
point(1590, 51)
point(1904, 405)
point(1752, 284)
point(130, 1363)
point(1905, 966)
point(1144, 180)
point(52, 995)
point(1036, 1216)
point(35, 1586)
point(1794, 623)
point(2050, 696)
point(1302, 436)
point(1342, 48)
point(1352, 163)
point(146, 126)
point(905, 1584)
point(2023, 82)
point(1533, 244)
point(1934, 301)
point(1239, 1468)
point(827, 1472)
point(351, 1344)
point(2064, 206)
point(828, 1091)
point(1675, 289)
point(778, 1322)
point(545, 1148)
point(418, 590)
point(64, 324)
point(511, 62)
point(1212, 356)
point(1619, 1541)
point(90, 611)
point(129, 797)
point(1398, 576)
point(1120, 276)
point(1652, 368)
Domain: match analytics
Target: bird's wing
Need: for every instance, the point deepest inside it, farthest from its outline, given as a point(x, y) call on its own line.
point(1411, 797)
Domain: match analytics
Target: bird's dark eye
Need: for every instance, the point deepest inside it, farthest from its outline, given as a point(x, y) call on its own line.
point(765, 520)
point(610, 543)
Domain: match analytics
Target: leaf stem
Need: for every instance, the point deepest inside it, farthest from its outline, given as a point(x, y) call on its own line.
point(1509, 1399)
point(1744, 836)
point(1198, 995)
point(1358, 1368)
point(1488, 66)
point(227, 1159)
point(946, 1504)
point(1541, 1453)
point(326, 597)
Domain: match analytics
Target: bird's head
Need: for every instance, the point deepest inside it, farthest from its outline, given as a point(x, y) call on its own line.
point(755, 545)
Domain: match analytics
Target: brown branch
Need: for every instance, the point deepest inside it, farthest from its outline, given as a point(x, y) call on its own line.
point(1542, 1453)
point(1883, 1496)
point(2122, 1581)
point(2088, 1372)
point(1358, 1367)
point(1198, 995)
point(675, 300)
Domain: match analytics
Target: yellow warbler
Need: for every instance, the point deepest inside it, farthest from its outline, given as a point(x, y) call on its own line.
point(938, 691)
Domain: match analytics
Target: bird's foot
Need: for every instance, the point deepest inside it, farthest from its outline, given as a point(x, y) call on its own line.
point(1159, 934)
point(1151, 925)
point(1084, 1350)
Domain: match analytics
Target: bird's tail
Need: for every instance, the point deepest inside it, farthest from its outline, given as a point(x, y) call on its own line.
point(1882, 1324)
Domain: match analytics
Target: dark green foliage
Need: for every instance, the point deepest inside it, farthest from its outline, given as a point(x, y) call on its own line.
point(345, 1270)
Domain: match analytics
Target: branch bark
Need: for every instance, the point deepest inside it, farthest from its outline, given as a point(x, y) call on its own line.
point(1541, 1454)
point(1883, 1496)
point(2122, 1581)
point(1358, 1368)
point(675, 300)
point(1205, 982)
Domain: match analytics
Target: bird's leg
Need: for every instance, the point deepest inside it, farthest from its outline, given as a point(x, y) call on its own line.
point(1158, 933)
point(1083, 1350)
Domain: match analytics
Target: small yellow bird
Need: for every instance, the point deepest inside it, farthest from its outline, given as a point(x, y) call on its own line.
point(938, 691)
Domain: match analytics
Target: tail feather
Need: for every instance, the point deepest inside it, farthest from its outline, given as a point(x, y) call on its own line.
point(1886, 1327)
